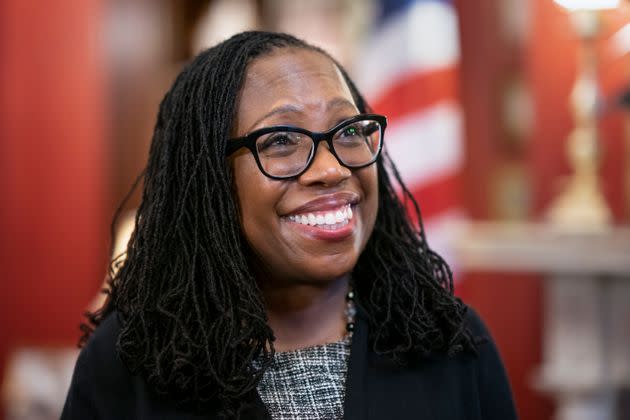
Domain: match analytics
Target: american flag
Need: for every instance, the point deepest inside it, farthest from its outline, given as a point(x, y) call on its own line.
point(409, 72)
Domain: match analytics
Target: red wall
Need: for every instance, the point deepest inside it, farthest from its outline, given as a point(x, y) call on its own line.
point(53, 218)
point(511, 305)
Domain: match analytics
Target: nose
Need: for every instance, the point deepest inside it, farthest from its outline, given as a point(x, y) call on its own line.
point(325, 169)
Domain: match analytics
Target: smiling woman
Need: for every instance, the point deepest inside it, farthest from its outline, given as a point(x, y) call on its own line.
point(273, 272)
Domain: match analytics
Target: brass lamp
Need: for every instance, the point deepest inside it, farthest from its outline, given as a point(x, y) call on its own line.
point(581, 206)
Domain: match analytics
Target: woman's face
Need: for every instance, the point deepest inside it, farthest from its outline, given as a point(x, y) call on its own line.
point(301, 88)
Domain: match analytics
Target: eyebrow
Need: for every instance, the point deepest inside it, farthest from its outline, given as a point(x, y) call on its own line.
point(293, 109)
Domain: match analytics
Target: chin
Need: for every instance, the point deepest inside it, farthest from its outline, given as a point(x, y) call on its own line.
point(331, 270)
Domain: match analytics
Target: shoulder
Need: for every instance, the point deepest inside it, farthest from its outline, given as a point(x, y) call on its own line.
point(100, 349)
point(106, 332)
point(101, 384)
point(481, 336)
point(476, 326)
point(103, 387)
point(462, 385)
point(495, 395)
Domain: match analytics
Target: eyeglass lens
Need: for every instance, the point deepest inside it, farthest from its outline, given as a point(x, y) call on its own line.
point(287, 153)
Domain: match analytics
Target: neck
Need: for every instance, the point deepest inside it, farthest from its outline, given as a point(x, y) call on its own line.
point(303, 315)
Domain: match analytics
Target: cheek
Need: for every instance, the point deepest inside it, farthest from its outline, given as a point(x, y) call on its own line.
point(368, 178)
point(257, 197)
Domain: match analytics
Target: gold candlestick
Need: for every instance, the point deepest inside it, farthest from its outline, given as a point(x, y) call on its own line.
point(581, 206)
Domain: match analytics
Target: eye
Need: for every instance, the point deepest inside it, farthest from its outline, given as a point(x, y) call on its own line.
point(351, 135)
point(278, 140)
point(349, 131)
point(281, 143)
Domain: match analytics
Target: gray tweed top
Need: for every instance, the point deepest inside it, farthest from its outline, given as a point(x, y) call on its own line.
point(307, 383)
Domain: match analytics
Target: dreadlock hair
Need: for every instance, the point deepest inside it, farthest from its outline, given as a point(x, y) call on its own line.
point(192, 317)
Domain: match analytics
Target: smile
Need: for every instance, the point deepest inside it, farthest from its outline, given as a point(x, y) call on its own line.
point(328, 219)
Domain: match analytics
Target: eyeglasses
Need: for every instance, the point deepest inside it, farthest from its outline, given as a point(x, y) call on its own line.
point(283, 152)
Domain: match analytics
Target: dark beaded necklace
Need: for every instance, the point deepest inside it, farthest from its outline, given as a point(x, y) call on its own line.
point(350, 313)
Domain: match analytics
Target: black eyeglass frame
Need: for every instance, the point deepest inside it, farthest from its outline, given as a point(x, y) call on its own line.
point(249, 141)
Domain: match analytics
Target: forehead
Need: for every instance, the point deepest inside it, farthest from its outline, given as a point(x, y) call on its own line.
point(285, 65)
point(307, 79)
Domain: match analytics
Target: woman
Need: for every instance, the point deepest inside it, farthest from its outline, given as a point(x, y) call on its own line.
point(273, 272)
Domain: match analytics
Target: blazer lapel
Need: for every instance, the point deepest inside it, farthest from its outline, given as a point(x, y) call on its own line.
point(434, 387)
point(355, 401)
point(376, 387)
point(254, 408)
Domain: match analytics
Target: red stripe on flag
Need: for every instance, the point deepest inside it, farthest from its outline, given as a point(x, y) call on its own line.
point(416, 91)
point(437, 196)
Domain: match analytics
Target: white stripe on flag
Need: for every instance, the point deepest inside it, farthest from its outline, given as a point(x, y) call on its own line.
point(420, 38)
point(426, 144)
point(442, 232)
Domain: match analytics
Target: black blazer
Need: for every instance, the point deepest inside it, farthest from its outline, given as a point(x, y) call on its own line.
point(461, 387)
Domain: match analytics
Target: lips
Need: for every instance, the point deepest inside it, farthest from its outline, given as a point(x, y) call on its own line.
point(324, 218)
point(330, 217)
point(327, 202)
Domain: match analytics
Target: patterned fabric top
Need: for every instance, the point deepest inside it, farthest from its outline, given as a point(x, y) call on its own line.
point(307, 383)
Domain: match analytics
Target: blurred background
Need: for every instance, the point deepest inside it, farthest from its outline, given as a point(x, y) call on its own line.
point(507, 119)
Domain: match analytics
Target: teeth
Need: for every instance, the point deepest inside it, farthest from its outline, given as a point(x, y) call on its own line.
point(324, 219)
